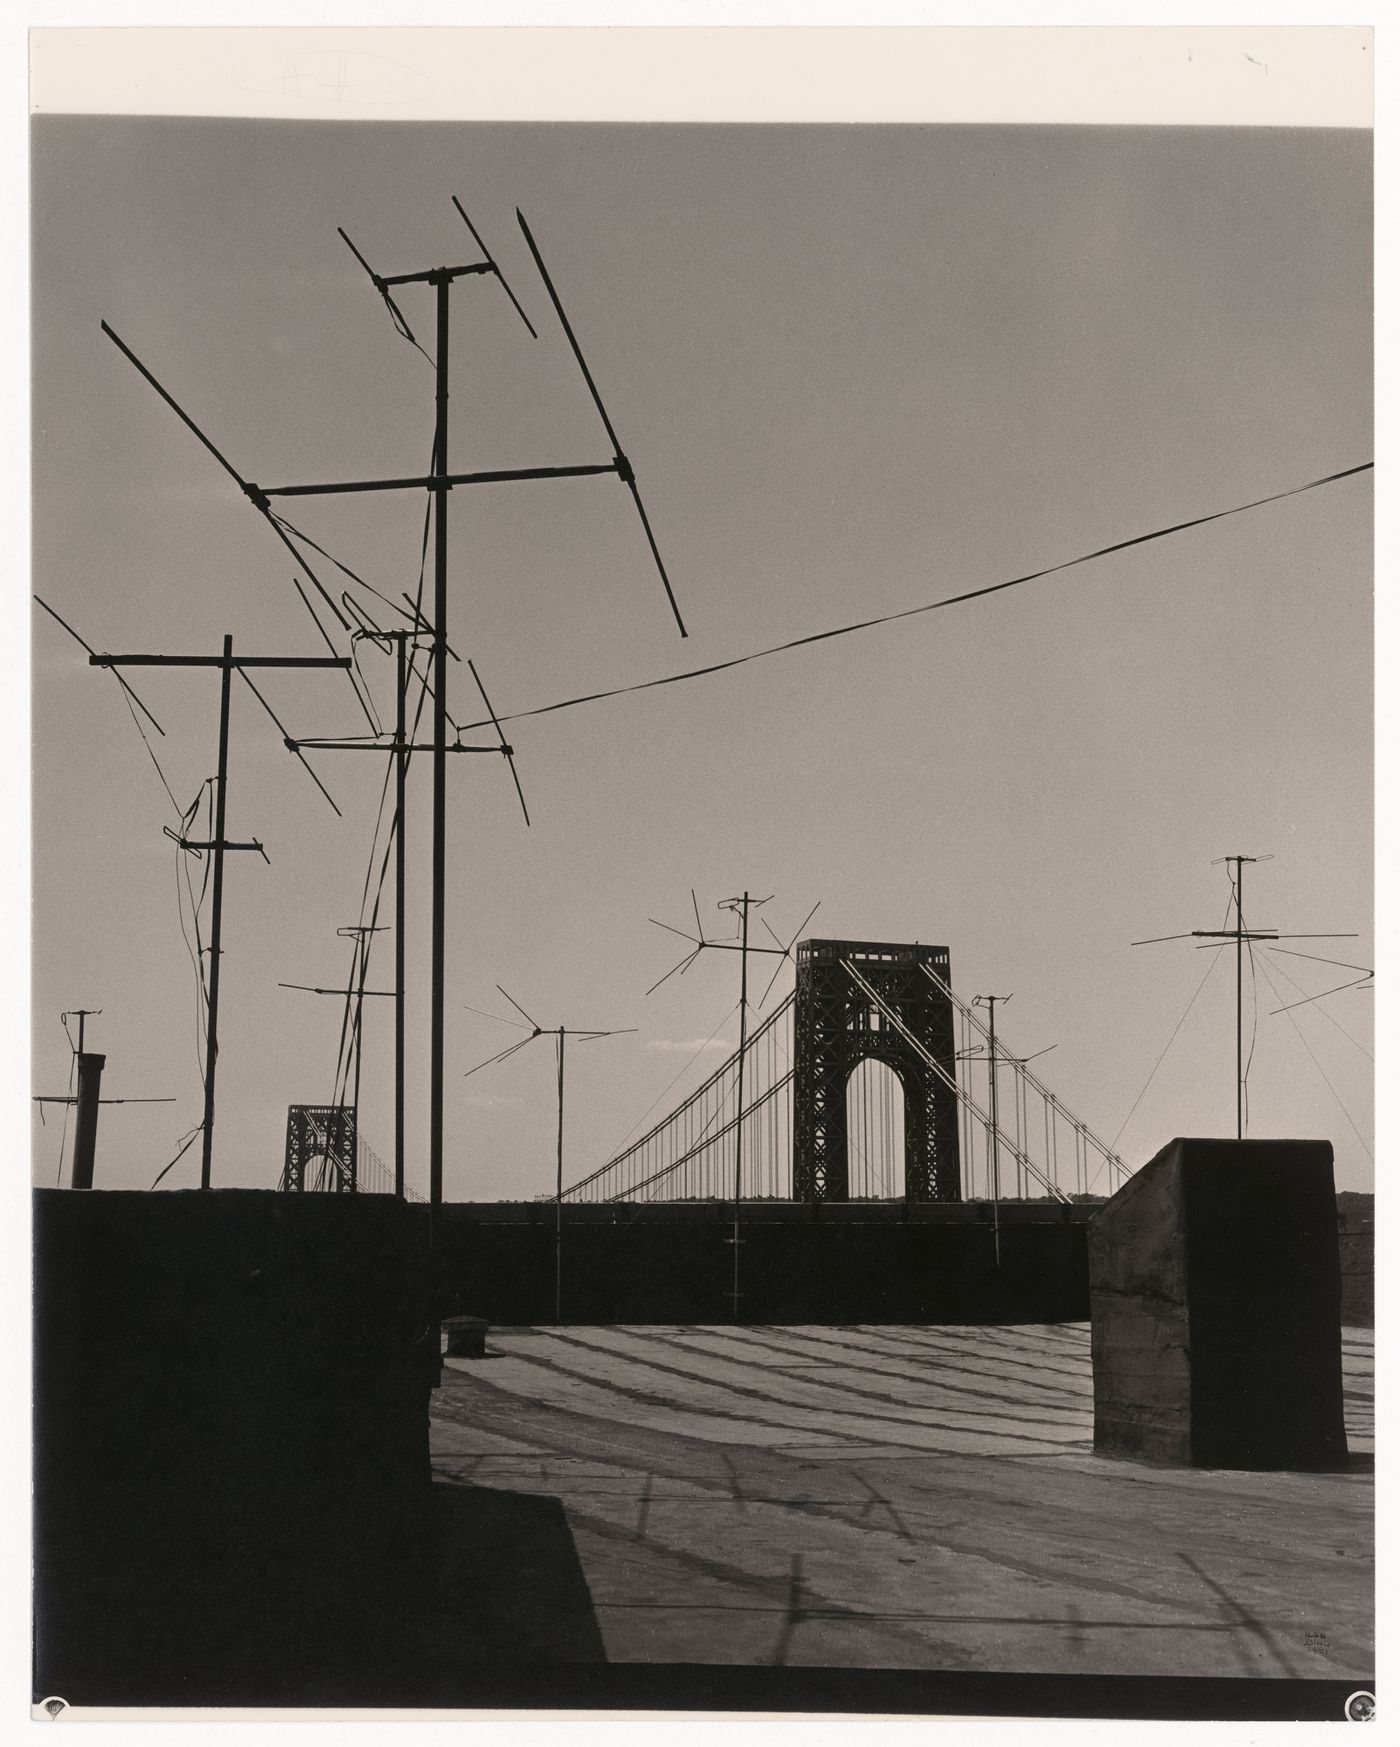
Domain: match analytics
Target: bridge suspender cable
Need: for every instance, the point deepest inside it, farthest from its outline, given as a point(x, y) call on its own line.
point(707, 1138)
point(1026, 1077)
point(932, 1061)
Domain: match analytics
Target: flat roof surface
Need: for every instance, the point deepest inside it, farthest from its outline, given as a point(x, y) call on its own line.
point(862, 1497)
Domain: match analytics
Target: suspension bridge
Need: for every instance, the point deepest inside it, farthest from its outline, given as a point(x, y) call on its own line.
point(872, 1081)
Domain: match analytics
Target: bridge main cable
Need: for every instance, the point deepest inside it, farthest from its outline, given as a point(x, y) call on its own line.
point(725, 1067)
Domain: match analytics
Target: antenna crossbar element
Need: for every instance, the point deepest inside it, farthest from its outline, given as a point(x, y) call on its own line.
point(432, 275)
point(436, 481)
point(187, 843)
point(311, 989)
point(229, 660)
point(390, 746)
point(69, 1098)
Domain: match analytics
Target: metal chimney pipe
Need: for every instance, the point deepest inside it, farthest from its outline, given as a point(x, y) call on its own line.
point(90, 1068)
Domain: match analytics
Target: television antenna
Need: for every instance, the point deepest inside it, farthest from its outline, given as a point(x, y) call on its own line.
point(740, 907)
point(437, 484)
point(85, 1099)
point(1243, 938)
point(558, 1033)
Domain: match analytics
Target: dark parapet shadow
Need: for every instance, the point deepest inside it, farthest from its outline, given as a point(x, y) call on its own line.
point(507, 1585)
point(402, 1606)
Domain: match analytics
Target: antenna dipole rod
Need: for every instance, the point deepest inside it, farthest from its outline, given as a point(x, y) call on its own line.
point(500, 277)
point(623, 466)
point(174, 405)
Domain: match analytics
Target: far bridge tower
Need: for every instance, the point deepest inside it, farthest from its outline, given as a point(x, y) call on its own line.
point(836, 1028)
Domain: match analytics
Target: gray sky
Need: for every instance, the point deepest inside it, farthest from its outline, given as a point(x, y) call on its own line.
point(856, 368)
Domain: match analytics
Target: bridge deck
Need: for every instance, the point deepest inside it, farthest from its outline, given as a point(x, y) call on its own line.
point(712, 1210)
point(898, 1498)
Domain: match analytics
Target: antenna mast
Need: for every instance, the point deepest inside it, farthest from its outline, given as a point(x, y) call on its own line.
point(86, 1098)
point(741, 907)
point(1242, 937)
point(437, 483)
point(993, 1137)
point(354, 997)
point(558, 1033)
point(219, 844)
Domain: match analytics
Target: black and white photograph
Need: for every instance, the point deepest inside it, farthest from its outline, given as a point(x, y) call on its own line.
point(702, 980)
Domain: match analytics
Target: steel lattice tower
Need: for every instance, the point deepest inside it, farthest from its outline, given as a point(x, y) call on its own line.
point(836, 1028)
point(324, 1131)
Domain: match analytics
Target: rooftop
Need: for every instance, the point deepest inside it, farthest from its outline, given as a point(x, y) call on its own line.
point(895, 1498)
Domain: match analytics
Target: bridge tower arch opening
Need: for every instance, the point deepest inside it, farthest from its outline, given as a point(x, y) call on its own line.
point(876, 1121)
point(836, 1028)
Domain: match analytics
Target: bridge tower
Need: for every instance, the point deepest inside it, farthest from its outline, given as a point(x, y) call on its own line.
point(836, 1028)
point(321, 1148)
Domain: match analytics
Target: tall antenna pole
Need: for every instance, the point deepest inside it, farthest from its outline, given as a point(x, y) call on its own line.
point(1238, 993)
point(559, 1198)
point(1239, 861)
point(211, 1050)
point(739, 1119)
point(400, 874)
point(439, 942)
point(993, 1136)
point(401, 750)
point(359, 933)
point(991, 1005)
